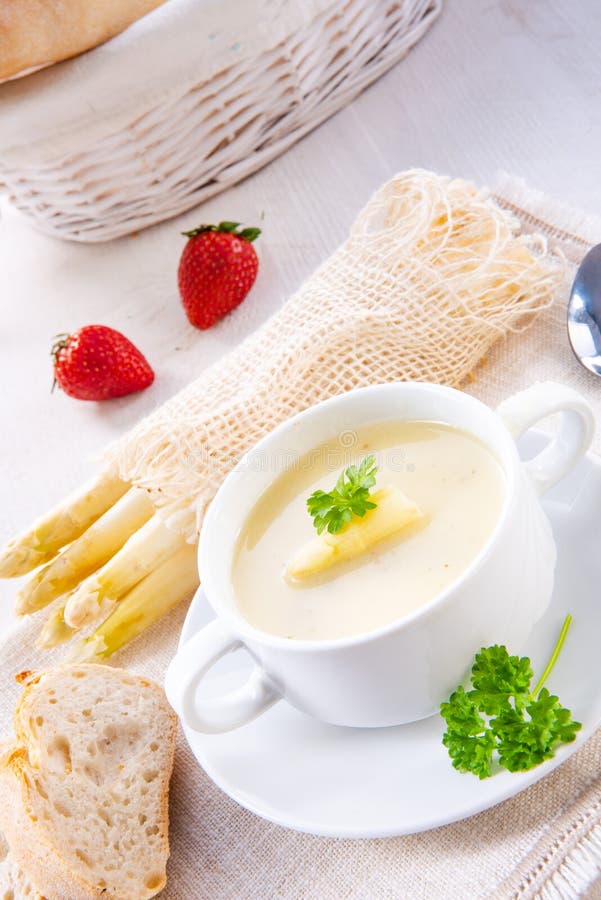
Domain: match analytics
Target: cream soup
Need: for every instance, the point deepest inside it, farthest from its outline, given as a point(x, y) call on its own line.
point(454, 479)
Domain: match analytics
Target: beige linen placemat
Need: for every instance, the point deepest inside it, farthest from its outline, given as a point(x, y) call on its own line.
point(544, 842)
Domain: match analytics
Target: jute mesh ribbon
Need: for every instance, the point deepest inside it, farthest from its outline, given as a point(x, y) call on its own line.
point(433, 273)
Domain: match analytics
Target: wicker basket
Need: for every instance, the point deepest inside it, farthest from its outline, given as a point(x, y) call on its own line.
point(177, 154)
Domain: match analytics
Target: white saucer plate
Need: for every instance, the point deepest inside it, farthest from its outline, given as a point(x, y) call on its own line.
point(365, 783)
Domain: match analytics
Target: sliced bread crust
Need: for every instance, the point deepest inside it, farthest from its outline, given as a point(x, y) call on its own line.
point(14, 885)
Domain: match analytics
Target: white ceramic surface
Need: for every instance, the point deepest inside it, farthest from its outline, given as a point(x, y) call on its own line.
point(402, 671)
point(349, 782)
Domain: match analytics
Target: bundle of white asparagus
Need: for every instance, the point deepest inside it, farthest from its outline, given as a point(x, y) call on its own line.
point(106, 562)
point(431, 275)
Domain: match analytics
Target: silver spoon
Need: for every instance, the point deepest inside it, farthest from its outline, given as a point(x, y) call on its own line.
point(584, 312)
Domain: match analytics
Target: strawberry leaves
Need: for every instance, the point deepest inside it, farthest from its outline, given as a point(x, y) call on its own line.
point(248, 234)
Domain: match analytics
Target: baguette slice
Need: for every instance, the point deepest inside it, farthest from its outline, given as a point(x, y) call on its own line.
point(14, 885)
point(84, 789)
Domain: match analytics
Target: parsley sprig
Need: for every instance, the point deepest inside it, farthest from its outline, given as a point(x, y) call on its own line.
point(500, 719)
point(350, 497)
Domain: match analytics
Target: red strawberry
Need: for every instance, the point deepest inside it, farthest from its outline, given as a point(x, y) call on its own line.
point(216, 271)
point(96, 363)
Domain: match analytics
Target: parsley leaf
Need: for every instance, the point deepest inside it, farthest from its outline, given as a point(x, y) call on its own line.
point(501, 718)
point(469, 742)
point(350, 497)
point(497, 676)
point(523, 743)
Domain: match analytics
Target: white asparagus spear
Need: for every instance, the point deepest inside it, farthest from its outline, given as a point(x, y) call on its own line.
point(61, 525)
point(55, 630)
point(393, 512)
point(145, 550)
point(150, 599)
point(87, 553)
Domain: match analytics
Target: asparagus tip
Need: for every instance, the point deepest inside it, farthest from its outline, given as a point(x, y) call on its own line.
point(83, 607)
point(93, 649)
point(18, 560)
point(53, 635)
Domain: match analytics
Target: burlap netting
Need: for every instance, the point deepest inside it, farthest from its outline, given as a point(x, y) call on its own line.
point(432, 274)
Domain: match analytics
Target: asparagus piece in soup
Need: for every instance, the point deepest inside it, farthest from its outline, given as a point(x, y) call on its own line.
point(392, 512)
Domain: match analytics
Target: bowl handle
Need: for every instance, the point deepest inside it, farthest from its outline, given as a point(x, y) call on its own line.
point(576, 428)
point(189, 666)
